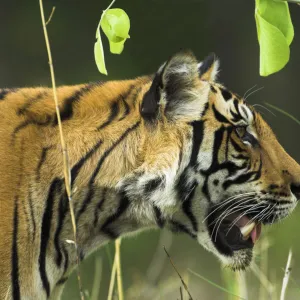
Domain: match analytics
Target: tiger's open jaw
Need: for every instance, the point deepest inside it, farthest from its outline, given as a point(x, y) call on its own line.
point(233, 233)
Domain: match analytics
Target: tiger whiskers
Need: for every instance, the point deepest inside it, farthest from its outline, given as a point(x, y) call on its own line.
point(236, 209)
point(249, 90)
point(227, 201)
point(228, 212)
point(262, 106)
point(252, 92)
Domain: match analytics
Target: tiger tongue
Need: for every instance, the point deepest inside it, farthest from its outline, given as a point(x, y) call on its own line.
point(252, 230)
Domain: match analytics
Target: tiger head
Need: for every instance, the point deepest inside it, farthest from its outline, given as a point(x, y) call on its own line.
point(231, 174)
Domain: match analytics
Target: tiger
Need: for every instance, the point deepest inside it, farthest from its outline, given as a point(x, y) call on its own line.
point(175, 150)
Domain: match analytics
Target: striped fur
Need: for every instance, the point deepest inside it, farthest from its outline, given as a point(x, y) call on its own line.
point(150, 152)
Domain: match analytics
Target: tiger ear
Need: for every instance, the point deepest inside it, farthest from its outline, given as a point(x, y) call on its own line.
point(209, 68)
point(171, 85)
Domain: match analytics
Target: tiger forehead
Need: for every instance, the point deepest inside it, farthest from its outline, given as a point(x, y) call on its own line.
point(226, 94)
point(231, 107)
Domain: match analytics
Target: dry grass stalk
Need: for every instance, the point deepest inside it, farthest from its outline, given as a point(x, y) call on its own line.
point(263, 279)
point(112, 279)
point(242, 284)
point(286, 277)
point(264, 246)
point(118, 266)
point(180, 277)
point(97, 279)
point(66, 167)
point(157, 263)
point(181, 295)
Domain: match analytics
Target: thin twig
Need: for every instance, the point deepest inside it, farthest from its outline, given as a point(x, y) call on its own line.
point(51, 15)
point(181, 279)
point(286, 277)
point(112, 280)
point(118, 264)
point(181, 295)
point(66, 168)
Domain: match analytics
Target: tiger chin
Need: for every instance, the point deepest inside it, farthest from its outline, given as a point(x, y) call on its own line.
point(176, 149)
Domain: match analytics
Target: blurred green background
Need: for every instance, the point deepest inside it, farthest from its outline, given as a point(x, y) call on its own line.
point(158, 29)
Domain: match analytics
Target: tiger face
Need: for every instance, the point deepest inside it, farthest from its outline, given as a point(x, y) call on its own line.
point(233, 175)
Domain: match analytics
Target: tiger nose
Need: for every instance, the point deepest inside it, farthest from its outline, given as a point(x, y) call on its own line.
point(295, 189)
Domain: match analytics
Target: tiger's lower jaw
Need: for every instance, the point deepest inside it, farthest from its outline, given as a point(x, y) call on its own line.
point(232, 238)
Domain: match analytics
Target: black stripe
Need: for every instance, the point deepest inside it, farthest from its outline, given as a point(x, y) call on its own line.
point(255, 175)
point(66, 112)
point(26, 123)
point(5, 92)
point(63, 203)
point(236, 146)
point(114, 110)
point(90, 193)
point(66, 257)
point(124, 204)
point(62, 281)
point(187, 207)
point(15, 255)
point(41, 161)
point(245, 111)
point(77, 167)
point(154, 184)
point(22, 110)
point(31, 213)
point(45, 232)
point(178, 227)
point(248, 137)
point(236, 116)
point(158, 217)
point(123, 98)
point(226, 94)
point(126, 109)
point(219, 135)
point(184, 189)
point(219, 116)
point(99, 206)
point(212, 88)
point(198, 127)
point(215, 166)
point(62, 212)
point(229, 131)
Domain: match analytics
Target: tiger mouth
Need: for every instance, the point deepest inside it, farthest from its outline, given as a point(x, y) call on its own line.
point(234, 232)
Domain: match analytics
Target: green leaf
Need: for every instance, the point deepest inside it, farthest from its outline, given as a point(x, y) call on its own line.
point(116, 24)
point(275, 33)
point(99, 53)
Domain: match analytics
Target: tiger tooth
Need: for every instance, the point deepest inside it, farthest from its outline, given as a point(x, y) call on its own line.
point(246, 230)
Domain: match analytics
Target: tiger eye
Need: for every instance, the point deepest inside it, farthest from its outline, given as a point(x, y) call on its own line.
point(241, 131)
